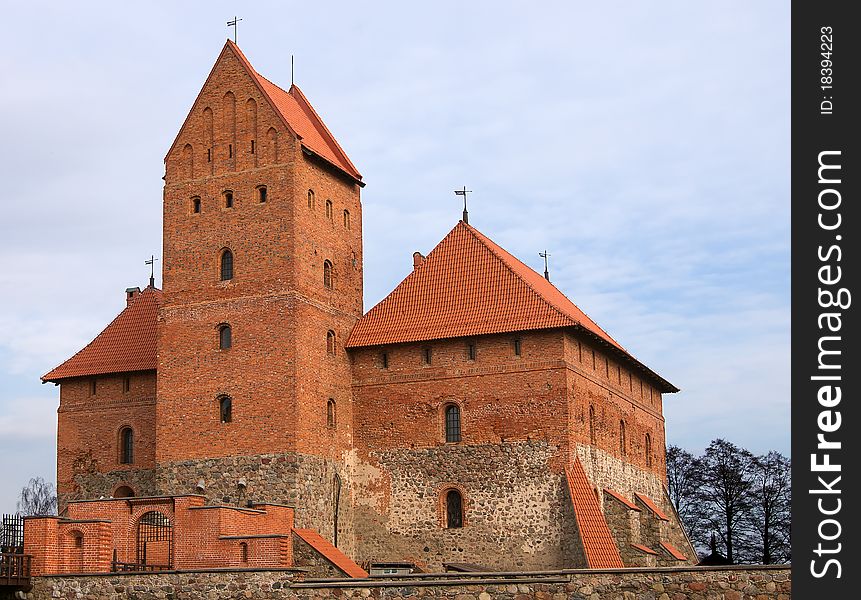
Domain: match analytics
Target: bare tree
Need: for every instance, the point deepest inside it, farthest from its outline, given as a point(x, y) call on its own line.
point(684, 479)
point(37, 498)
point(725, 494)
point(769, 521)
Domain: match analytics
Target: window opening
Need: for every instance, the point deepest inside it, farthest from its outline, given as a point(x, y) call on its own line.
point(225, 337)
point(453, 509)
point(452, 423)
point(226, 265)
point(225, 407)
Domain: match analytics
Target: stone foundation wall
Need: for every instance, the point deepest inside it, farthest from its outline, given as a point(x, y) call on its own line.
point(516, 510)
point(305, 482)
point(92, 485)
point(700, 583)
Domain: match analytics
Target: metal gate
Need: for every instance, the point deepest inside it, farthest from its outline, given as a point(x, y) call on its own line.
point(155, 542)
point(12, 534)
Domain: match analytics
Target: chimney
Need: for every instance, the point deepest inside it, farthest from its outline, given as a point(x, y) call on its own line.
point(131, 294)
point(418, 259)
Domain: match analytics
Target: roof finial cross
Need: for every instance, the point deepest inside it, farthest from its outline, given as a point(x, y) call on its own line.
point(233, 24)
point(545, 255)
point(463, 193)
point(151, 263)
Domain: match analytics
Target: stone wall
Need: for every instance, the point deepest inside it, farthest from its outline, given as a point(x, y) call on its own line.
point(302, 481)
point(516, 510)
point(92, 484)
point(696, 583)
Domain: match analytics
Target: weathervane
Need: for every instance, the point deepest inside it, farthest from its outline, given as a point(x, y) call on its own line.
point(233, 24)
point(463, 193)
point(151, 263)
point(545, 255)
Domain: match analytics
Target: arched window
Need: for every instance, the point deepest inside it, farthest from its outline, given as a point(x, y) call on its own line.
point(329, 210)
point(453, 509)
point(225, 409)
point(592, 425)
point(311, 199)
point(127, 446)
point(243, 552)
point(124, 491)
point(195, 205)
point(78, 539)
point(648, 450)
point(262, 193)
point(327, 274)
point(330, 342)
point(452, 423)
point(622, 445)
point(226, 265)
point(331, 413)
point(347, 219)
point(225, 337)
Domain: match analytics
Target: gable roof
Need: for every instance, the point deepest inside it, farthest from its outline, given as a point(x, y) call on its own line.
point(296, 113)
point(599, 546)
point(128, 343)
point(468, 285)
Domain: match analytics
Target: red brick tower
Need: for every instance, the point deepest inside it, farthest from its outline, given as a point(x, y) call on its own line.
point(262, 285)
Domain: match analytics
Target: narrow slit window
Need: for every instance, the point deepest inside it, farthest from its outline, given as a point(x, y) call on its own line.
point(648, 450)
point(195, 205)
point(592, 425)
point(470, 351)
point(331, 414)
point(225, 337)
point(384, 360)
point(127, 446)
point(209, 155)
point(226, 265)
point(225, 409)
point(347, 219)
point(228, 199)
point(330, 342)
point(311, 200)
point(243, 547)
point(329, 209)
point(453, 509)
point(622, 445)
point(92, 387)
point(229, 150)
point(517, 348)
point(327, 274)
point(252, 146)
point(262, 194)
point(452, 423)
point(127, 384)
point(428, 356)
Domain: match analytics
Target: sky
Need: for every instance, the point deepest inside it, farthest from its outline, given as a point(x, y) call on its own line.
point(645, 145)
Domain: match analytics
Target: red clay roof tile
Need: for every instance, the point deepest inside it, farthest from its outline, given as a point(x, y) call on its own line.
point(468, 285)
point(128, 343)
point(643, 548)
point(330, 552)
point(621, 499)
point(650, 504)
point(598, 543)
point(673, 551)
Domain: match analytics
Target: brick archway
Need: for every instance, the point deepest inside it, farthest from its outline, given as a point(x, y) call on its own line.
point(154, 541)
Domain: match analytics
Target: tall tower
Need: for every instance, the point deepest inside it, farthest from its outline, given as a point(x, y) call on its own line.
point(262, 285)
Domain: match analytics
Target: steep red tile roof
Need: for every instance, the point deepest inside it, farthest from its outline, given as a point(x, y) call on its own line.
point(598, 543)
point(297, 114)
point(643, 548)
point(673, 551)
point(622, 499)
point(331, 553)
point(468, 285)
point(650, 504)
point(128, 344)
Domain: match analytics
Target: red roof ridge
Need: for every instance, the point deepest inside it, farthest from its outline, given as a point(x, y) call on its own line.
point(643, 548)
point(331, 553)
point(504, 255)
point(128, 343)
point(673, 551)
point(650, 504)
point(622, 499)
point(599, 546)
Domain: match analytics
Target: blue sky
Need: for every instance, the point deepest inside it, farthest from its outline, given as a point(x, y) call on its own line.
point(645, 145)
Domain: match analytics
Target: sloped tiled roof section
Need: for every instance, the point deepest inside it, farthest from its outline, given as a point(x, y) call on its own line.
point(468, 285)
point(674, 552)
point(331, 553)
point(129, 343)
point(650, 504)
point(598, 543)
point(297, 114)
point(622, 499)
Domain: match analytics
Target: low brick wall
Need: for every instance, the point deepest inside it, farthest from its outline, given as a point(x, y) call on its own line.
point(697, 583)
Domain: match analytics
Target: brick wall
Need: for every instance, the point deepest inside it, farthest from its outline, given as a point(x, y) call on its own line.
point(88, 434)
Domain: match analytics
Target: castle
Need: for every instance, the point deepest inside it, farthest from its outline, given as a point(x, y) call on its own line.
point(475, 415)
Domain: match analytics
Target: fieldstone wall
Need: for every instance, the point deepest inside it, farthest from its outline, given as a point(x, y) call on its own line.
point(695, 583)
point(92, 484)
point(516, 510)
point(305, 482)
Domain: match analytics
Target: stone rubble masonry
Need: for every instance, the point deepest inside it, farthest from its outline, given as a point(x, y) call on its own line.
point(698, 583)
